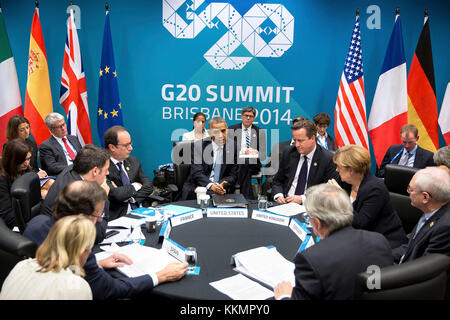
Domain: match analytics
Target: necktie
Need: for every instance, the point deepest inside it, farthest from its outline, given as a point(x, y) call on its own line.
point(217, 165)
point(125, 181)
point(68, 149)
point(404, 160)
point(247, 138)
point(420, 225)
point(301, 182)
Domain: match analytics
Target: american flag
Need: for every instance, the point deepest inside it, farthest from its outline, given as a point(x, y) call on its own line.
point(350, 111)
point(73, 94)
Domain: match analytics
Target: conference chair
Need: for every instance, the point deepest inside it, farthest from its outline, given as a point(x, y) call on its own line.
point(14, 247)
point(424, 278)
point(26, 198)
point(408, 214)
point(181, 157)
point(397, 177)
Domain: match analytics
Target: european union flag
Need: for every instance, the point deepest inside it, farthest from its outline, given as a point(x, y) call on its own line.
point(109, 111)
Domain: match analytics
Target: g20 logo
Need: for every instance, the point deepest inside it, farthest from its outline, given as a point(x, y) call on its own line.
point(266, 30)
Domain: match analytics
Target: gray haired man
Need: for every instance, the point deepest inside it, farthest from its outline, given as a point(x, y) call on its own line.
point(58, 151)
point(328, 269)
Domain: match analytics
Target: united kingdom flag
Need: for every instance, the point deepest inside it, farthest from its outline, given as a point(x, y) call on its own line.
point(73, 93)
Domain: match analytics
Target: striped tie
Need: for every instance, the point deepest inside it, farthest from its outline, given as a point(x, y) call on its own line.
point(247, 138)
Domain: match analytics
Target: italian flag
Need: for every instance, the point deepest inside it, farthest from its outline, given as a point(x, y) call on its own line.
point(10, 101)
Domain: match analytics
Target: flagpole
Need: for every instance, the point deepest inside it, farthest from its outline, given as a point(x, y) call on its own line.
point(357, 12)
point(106, 7)
point(37, 4)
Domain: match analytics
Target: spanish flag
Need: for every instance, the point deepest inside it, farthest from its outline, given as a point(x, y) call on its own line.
point(422, 105)
point(38, 97)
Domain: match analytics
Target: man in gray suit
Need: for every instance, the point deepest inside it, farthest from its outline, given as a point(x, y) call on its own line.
point(57, 152)
point(129, 185)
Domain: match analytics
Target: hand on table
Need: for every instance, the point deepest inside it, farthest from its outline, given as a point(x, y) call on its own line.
point(114, 261)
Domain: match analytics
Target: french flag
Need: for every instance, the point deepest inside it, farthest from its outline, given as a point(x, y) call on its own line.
point(389, 110)
point(444, 116)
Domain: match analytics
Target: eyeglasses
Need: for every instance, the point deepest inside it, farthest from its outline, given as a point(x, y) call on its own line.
point(60, 126)
point(248, 116)
point(410, 190)
point(126, 145)
point(98, 217)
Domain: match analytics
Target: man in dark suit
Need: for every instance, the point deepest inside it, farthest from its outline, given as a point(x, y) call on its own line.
point(87, 198)
point(303, 165)
point(328, 269)
point(129, 185)
point(213, 163)
point(408, 153)
point(250, 140)
point(429, 191)
point(273, 163)
point(58, 151)
point(91, 164)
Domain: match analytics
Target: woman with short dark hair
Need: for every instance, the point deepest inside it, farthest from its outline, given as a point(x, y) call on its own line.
point(322, 121)
point(198, 131)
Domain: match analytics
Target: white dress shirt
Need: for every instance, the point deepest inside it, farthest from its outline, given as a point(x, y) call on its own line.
point(291, 191)
point(60, 141)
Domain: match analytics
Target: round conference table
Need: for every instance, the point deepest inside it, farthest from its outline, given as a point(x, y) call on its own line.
point(216, 240)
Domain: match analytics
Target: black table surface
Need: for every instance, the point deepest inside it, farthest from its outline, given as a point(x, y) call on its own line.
point(216, 240)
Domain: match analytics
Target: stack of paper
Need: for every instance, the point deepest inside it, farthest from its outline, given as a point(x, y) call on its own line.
point(266, 265)
point(176, 210)
point(288, 209)
point(239, 287)
point(145, 259)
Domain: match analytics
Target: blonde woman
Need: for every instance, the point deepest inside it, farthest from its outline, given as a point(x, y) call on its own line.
point(57, 271)
point(372, 205)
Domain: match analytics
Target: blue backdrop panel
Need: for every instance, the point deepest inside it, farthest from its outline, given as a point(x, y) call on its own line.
point(175, 57)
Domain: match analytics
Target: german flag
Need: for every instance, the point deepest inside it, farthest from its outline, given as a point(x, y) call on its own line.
point(422, 105)
point(38, 97)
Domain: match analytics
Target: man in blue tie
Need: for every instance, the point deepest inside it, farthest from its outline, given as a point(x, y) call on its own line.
point(303, 165)
point(213, 163)
point(408, 153)
point(129, 185)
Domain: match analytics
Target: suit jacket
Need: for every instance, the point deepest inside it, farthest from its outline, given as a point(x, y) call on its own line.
point(330, 142)
point(373, 210)
point(117, 195)
point(200, 172)
point(52, 157)
point(433, 237)
point(6, 210)
point(250, 166)
point(423, 158)
point(103, 285)
point(322, 169)
point(328, 269)
point(67, 176)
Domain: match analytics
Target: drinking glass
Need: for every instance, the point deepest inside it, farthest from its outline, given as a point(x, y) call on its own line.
point(262, 203)
point(191, 258)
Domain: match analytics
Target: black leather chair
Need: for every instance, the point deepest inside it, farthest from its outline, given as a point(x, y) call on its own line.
point(13, 248)
point(181, 158)
point(424, 278)
point(397, 177)
point(408, 214)
point(26, 198)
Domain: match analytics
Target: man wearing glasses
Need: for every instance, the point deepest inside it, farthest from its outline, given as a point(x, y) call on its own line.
point(429, 191)
point(251, 145)
point(58, 151)
point(129, 185)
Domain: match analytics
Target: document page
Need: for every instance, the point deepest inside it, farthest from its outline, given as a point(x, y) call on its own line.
point(265, 265)
point(239, 287)
point(288, 209)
